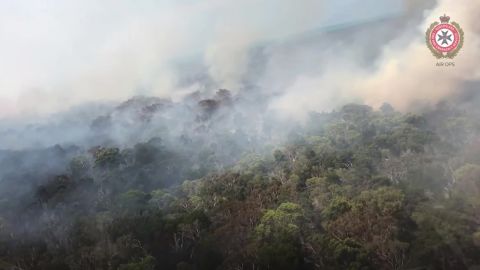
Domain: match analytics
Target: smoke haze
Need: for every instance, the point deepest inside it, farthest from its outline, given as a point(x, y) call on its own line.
point(55, 55)
point(403, 72)
point(62, 59)
point(235, 134)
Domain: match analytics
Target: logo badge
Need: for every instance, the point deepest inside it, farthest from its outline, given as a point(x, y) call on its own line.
point(444, 39)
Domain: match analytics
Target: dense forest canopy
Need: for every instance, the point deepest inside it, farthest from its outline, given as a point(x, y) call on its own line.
point(239, 134)
point(355, 188)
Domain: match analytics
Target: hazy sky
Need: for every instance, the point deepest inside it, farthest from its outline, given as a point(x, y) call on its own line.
point(54, 54)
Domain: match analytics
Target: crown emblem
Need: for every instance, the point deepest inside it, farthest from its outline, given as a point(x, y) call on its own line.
point(444, 19)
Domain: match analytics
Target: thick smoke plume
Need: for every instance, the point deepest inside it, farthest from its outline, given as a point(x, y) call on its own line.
point(404, 73)
point(283, 59)
point(408, 75)
point(55, 55)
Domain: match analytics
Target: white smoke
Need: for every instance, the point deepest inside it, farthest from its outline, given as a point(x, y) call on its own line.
point(58, 54)
point(404, 74)
point(55, 55)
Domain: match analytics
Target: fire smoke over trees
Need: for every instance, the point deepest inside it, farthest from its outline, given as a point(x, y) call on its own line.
point(237, 135)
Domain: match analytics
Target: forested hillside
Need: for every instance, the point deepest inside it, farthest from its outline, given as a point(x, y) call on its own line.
point(355, 188)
